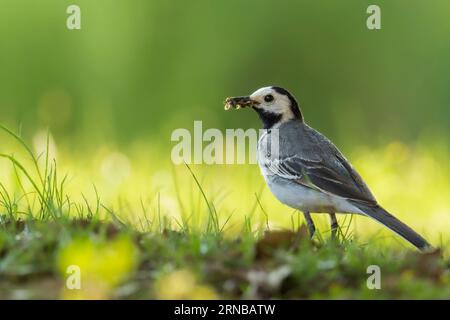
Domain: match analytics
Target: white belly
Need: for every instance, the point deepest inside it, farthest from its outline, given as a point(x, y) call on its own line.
point(303, 198)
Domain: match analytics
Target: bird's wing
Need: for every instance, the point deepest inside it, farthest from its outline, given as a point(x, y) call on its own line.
point(318, 164)
point(317, 175)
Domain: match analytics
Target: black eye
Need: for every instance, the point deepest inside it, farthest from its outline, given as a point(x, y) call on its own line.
point(268, 98)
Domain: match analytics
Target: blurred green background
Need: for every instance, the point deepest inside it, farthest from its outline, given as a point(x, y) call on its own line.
point(141, 68)
point(113, 92)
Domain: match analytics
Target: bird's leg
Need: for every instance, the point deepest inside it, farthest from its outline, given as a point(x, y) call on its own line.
point(334, 225)
point(310, 223)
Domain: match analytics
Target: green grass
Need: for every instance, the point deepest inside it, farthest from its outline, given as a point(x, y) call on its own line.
point(202, 253)
point(35, 254)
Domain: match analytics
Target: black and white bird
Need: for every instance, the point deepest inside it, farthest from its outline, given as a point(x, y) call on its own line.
point(306, 171)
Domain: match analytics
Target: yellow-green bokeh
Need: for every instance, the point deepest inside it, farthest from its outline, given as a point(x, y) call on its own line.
point(112, 93)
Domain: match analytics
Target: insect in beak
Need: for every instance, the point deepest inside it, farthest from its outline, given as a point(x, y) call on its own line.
point(239, 102)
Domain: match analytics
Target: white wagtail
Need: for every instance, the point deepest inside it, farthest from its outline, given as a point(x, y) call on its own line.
point(309, 173)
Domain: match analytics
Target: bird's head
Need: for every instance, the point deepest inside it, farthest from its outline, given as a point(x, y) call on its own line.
point(274, 105)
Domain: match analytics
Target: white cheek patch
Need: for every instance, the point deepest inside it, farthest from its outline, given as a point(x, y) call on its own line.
point(281, 109)
point(279, 106)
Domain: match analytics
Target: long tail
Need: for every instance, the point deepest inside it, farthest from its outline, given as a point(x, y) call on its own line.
point(388, 220)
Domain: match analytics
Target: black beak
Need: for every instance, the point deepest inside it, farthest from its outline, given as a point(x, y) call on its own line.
point(239, 102)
